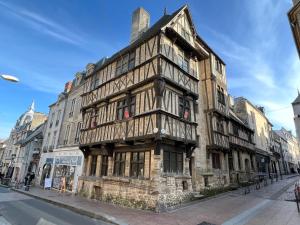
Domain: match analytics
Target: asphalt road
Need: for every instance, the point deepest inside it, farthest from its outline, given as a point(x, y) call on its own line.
point(19, 209)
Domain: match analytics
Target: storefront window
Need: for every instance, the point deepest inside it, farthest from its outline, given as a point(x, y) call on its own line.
point(104, 165)
point(93, 165)
point(137, 164)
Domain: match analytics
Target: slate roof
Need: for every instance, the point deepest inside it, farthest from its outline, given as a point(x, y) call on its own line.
point(297, 100)
point(153, 30)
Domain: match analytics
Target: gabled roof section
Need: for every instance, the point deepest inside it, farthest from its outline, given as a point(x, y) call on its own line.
point(297, 100)
point(234, 117)
point(152, 31)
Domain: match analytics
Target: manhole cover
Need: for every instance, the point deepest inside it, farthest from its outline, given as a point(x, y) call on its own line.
point(206, 223)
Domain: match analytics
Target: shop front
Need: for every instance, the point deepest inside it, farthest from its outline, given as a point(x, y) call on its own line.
point(66, 168)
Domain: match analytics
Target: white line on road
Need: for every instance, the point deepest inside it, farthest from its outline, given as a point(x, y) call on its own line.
point(245, 216)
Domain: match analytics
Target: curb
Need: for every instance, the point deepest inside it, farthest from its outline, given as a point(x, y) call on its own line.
point(102, 216)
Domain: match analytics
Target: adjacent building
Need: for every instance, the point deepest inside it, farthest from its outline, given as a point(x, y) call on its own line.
point(255, 118)
point(292, 155)
point(2, 151)
point(14, 155)
point(61, 156)
point(296, 109)
point(294, 18)
point(32, 148)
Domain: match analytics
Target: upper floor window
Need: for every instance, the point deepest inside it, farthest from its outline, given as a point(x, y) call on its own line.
point(72, 107)
point(94, 82)
point(173, 162)
point(235, 129)
point(51, 121)
point(119, 164)
point(221, 95)
point(67, 135)
point(58, 117)
point(220, 127)
point(77, 132)
point(94, 118)
point(125, 63)
point(126, 108)
point(218, 65)
point(183, 61)
point(184, 108)
point(137, 164)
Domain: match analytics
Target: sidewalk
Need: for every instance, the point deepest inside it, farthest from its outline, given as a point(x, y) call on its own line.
point(213, 210)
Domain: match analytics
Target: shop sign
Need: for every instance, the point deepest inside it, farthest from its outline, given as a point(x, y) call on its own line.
point(68, 160)
point(49, 160)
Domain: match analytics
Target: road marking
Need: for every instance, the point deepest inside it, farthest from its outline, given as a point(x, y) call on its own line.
point(3, 221)
point(245, 216)
point(42, 221)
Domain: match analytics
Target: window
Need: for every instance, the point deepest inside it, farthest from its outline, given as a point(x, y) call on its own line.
point(239, 160)
point(53, 140)
point(125, 63)
point(72, 107)
point(216, 164)
point(184, 109)
point(221, 96)
point(119, 164)
point(137, 164)
point(173, 162)
point(67, 135)
point(123, 111)
point(218, 65)
point(57, 118)
point(93, 165)
point(104, 165)
point(183, 61)
point(131, 61)
point(235, 129)
point(77, 132)
point(51, 121)
point(94, 118)
point(220, 127)
point(94, 82)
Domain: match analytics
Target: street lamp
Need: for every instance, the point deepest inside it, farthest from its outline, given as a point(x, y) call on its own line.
point(9, 78)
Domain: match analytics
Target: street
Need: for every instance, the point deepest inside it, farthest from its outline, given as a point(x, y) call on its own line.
point(19, 209)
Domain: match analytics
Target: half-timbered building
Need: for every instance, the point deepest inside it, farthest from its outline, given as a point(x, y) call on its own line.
point(241, 156)
point(213, 166)
point(140, 115)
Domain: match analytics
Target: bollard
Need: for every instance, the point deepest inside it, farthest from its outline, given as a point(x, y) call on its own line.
point(297, 200)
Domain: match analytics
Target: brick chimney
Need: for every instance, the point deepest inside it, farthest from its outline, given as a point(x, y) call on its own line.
point(140, 23)
point(68, 86)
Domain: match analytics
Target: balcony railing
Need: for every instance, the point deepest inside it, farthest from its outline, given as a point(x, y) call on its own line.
point(241, 142)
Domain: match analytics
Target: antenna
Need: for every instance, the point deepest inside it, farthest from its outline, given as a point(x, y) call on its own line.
point(165, 11)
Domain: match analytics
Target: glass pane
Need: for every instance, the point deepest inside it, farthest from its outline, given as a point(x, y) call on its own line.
point(133, 171)
point(166, 162)
point(134, 156)
point(141, 157)
point(141, 170)
point(173, 162)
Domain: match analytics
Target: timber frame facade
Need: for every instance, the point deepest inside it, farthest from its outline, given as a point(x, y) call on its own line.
point(139, 112)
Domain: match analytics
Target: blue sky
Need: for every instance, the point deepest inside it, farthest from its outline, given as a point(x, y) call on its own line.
point(45, 43)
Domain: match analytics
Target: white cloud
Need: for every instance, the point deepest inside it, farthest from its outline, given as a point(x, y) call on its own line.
point(263, 77)
point(43, 24)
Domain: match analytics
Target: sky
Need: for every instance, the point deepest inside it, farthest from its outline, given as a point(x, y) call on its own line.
point(44, 44)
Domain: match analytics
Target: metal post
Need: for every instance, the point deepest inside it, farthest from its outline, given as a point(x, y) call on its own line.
point(297, 200)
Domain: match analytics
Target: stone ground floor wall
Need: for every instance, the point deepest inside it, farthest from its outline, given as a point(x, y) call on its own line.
point(156, 191)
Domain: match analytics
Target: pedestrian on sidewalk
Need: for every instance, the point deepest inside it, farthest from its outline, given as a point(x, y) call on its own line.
point(63, 184)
